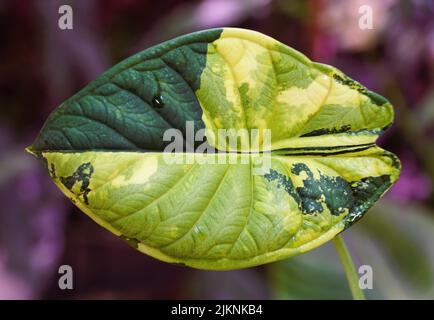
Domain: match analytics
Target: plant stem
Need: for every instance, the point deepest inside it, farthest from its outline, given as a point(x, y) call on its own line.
point(350, 270)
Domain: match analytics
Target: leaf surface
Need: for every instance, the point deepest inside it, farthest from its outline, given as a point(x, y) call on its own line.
point(103, 147)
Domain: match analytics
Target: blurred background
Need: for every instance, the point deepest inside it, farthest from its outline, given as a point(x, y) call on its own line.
point(41, 65)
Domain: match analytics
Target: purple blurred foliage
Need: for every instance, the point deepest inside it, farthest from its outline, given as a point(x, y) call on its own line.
point(31, 223)
point(215, 13)
point(340, 18)
point(79, 53)
point(413, 185)
point(408, 44)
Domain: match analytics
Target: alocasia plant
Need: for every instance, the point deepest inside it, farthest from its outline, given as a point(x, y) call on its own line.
point(103, 147)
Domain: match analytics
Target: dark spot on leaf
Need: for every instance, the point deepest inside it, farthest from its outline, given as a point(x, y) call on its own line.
point(52, 171)
point(396, 163)
point(83, 175)
point(324, 131)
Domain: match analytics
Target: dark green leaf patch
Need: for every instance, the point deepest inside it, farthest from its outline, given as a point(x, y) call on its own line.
point(82, 174)
point(325, 131)
point(338, 195)
point(131, 105)
point(375, 97)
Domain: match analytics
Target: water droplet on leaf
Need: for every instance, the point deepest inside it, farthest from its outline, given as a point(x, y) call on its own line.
point(157, 102)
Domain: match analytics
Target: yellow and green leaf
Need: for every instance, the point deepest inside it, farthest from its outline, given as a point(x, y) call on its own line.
point(103, 148)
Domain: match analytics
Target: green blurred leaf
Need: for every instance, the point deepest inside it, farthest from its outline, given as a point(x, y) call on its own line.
point(395, 240)
point(315, 275)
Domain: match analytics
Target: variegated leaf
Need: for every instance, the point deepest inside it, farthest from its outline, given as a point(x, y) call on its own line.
point(104, 149)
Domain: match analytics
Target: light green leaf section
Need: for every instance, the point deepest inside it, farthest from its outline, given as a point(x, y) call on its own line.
point(252, 81)
point(215, 216)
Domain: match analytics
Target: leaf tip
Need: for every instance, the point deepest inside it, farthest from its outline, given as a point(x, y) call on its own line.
point(32, 151)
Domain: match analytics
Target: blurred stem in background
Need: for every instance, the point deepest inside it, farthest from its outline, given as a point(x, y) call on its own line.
point(350, 270)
